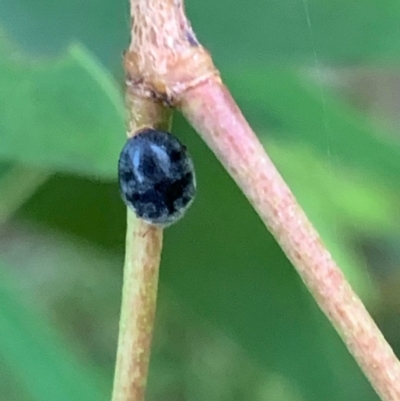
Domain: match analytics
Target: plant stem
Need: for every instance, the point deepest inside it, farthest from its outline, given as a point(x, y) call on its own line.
point(142, 260)
point(166, 62)
point(212, 111)
point(139, 295)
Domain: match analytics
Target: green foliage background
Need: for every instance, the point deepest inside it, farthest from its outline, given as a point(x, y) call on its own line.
point(234, 321)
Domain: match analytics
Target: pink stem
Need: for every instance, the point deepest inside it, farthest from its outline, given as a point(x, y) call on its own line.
point(211, 110)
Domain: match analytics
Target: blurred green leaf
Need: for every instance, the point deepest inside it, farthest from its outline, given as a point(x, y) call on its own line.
point(339, 204)
point(42, 363)
point(17, 185)
point(10, 386)
point(48, 27)
point(296, 109)
point(64, 114)
point(338, 195)
point(71, 280)
point(297, 31)
point(344, 31)
point(87, 209)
